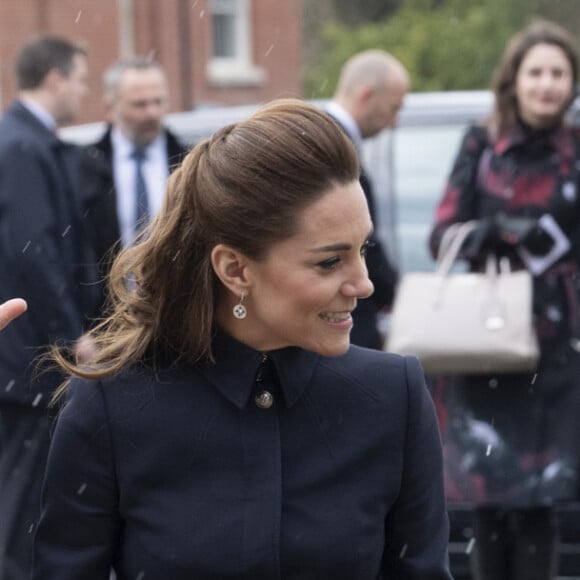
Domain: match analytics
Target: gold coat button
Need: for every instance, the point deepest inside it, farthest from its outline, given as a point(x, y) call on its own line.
point(264, 400)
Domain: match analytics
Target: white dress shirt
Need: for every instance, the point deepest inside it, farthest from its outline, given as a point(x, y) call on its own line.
point(347, 121)
point(40, 113)
point(155, 172)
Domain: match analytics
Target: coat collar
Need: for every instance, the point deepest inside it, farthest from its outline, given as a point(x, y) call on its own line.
point(560, 139)
point(236, 365)
point(24, 115)
point(176, 151)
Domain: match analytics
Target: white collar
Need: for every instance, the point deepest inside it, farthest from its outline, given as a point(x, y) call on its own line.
point(124, 148)
point(347, 121)
point(40, 113)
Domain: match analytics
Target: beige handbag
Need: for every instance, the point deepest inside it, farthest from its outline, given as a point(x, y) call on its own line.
point(465, 323)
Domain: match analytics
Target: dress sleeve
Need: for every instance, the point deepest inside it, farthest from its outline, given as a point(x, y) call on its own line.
point(459, 201)
point(78, 529)
point(417, 527)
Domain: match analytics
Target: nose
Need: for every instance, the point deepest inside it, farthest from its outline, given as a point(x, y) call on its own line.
point(153, 110)
point(359, 284)
point(367, 289)
point(548, 80)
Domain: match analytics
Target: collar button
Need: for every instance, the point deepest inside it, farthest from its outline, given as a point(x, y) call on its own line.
point(264, 400)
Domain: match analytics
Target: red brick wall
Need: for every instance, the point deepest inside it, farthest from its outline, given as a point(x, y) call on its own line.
point(277, 48)
point(97, 29)
point(177, 32)
point(276, 28)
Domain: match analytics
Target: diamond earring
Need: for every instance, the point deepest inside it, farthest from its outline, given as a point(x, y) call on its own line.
point(239, 309)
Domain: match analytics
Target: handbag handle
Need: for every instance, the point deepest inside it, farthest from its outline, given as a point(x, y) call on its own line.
point(449, 248)
point(451, 244)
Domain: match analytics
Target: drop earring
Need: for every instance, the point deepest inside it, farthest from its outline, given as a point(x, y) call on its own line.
point(239, 309)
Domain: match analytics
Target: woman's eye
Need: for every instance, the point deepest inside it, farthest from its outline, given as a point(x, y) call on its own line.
point(330, 264)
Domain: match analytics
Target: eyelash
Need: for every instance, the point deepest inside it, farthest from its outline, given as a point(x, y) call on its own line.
point(332, 263)
point(366, 247)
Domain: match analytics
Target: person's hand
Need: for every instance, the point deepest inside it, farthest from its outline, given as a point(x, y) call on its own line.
point(513, 230)
point(480, 239)
point(10, 310)
point(524, 231)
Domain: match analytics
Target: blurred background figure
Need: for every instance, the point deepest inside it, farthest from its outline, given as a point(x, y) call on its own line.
point(518, 176)
point(10, 310)
point(125, 171)
point(48, 263)
point(369, 94)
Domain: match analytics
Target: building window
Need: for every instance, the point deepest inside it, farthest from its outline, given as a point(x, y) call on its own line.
point(231, 61)
point(225, 26)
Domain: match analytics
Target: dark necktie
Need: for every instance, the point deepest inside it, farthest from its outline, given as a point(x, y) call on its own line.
point(141, 201)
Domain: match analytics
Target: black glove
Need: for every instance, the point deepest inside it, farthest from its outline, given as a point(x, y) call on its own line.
point(524, 231)
point(482, 238)
point(513, 230)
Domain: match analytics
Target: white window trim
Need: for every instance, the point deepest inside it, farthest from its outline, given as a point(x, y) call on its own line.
point(238, 70)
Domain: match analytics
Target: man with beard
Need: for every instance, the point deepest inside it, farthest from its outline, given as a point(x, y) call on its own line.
point(126, 169)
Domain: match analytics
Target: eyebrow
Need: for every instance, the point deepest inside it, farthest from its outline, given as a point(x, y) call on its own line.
point(340, 247)
point(333, 248)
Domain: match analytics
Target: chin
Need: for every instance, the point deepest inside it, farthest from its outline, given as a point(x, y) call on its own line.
point(549, 118)
point(332, 350)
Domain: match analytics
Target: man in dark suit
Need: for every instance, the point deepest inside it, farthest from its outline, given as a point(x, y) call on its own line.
point(136, 99)
point(369, 94)
point(46, 261)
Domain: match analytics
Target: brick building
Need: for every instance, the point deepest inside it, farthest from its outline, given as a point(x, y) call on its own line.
point(215, 51)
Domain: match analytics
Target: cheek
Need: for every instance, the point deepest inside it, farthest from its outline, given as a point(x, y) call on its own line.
point(289, 294)
point(317, 297)
point(567, 90)
point(521, 88)
point(311, 300)
point(524, 98)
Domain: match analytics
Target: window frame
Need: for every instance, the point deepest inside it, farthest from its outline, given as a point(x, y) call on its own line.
point(239, 68)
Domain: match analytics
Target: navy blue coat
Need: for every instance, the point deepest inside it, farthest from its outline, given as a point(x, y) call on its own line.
point(43, 254)
point(179, 474)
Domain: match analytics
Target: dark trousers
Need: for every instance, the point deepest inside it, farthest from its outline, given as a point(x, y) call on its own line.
point(515, 544)
point(24, 443)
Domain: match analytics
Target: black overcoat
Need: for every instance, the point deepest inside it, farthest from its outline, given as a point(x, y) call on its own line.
point(182, 475)
point(44, 255)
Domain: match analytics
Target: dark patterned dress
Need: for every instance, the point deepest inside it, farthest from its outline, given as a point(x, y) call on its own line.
point(515, 439)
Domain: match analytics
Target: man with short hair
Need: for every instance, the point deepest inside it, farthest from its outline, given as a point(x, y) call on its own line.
point(47, 262)
point(126, 170)
point(369, 94)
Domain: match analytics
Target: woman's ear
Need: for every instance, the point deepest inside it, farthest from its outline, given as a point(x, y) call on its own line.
point(230, 267)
